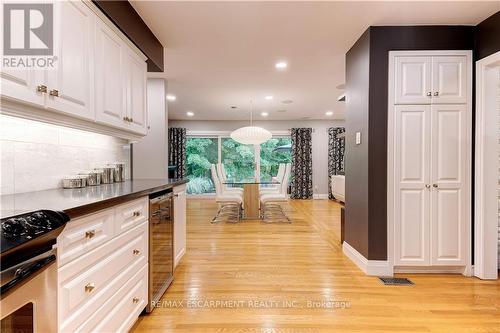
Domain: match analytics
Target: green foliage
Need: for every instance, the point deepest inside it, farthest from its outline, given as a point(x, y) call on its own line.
point(199, 185)
point(238, 160)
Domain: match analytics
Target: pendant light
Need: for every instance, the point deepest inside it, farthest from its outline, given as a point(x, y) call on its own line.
point(251, 135)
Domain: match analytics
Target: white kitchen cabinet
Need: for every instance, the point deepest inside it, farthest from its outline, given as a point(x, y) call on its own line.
point(429, 152)
point(25, 86)
point(179, 223)
point(135, 90)
point(99, 82)
point(413, 80)
point(70, 86)
point(109, 77)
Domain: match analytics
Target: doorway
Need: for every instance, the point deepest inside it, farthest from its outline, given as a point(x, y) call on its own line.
point(487, 163)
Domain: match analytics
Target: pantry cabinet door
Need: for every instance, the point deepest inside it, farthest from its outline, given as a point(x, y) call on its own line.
point(449, 80)
point(449, 198)
point(412, 189)
point(412, 80)
point(70, 85)
point(109, 77)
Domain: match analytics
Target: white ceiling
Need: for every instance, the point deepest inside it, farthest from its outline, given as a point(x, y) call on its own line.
point(219, 54)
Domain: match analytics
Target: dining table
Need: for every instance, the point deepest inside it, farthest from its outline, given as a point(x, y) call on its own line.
point(251, 190)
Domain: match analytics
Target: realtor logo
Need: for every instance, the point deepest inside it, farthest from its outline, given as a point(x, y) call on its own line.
point(28, 35)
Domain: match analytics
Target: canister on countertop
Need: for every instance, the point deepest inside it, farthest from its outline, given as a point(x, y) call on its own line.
point(75, 181)
point(119, 172)
point(93, 177)
point(107, 174)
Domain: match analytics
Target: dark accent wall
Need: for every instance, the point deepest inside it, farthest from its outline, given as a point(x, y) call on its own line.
point(124, 16)
point(488, 36)
point(356, 159)
point(374, 153)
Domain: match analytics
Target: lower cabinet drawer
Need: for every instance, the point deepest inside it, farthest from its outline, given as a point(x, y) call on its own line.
point(89, 281)
point(120, 312)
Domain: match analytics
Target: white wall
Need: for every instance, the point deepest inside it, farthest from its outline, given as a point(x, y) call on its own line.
point(150, 158)
point(35, 156)
point(319, 140)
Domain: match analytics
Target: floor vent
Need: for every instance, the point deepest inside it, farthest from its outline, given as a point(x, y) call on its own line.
point(389, 281)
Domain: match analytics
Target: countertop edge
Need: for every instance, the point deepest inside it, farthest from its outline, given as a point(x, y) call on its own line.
point(80, 211)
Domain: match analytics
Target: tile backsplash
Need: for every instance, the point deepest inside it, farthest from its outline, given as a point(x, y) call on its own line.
point(35, 156)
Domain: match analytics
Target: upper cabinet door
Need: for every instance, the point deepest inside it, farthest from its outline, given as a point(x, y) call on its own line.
point(413, 80)
point(135, 69)
point(23, 86)
point(70, 85)
point(449, 80)
point(109, 77)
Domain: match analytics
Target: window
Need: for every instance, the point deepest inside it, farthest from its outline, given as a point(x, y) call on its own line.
point(201, 153)
point(238, 159)
point(272, 153)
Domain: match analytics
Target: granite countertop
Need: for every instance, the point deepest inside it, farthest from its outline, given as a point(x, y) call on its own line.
point(82, 201)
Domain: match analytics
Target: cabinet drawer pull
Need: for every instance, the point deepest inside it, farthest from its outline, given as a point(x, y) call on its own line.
point(429, 94)
point(137, 213)
point(89, 234)
point(136, 252)
point(89, 287)
point(135, 300)
point(436, 93)
point(54, 92)
point(131, 120)
point(41, 88)
point(126, 118)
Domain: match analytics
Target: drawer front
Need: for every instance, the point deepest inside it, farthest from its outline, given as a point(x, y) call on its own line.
point(131, 214)
point(84, 234)
point(120, 312)
point(86, 283)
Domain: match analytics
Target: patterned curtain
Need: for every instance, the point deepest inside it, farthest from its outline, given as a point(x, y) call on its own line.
point(177, 150)
point(336, 149)
point(302, 184)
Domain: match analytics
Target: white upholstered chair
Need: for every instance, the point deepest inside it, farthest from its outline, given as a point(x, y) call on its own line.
point(225, 199)
point(267, 199)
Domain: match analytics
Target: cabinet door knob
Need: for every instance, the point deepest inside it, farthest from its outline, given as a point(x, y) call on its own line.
point(136, 213)
point(436, 93)
point(136, 252)
point(89, 234)
point(41, 88)
point(125, 118)
point(54, 92)
point(89, 287)
point(427, 185)
point(131, 120)
point(435, 185)
point(135, 300)
point(429, 94)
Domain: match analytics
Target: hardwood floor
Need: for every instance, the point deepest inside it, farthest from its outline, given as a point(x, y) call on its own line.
point(272, 273)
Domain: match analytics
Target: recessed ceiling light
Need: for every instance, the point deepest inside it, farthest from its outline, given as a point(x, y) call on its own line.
point(281, 65)
point(268, 98)
point(264, 114)
point(329, 113)
point(189, 114)
point(171, 97)
point(287, 101)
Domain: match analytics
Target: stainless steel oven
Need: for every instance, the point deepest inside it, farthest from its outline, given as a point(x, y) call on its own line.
point(161, 245)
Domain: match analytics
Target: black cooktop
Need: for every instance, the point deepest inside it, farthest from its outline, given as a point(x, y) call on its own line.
point(27, 235)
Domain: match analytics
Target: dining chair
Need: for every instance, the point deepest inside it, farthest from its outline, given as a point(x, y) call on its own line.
point(279, 178)
point(227, 202)
point(221, 172)
point(271, 211)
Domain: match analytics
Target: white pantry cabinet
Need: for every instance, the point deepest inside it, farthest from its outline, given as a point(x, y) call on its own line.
point(179, 223)
point(426, 79)
point(99, 83)
point(429, 160)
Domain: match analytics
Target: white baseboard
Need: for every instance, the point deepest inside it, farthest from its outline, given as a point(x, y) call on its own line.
point(369, 267)
point(179, 257)
point(320, 196)
point(432, 270)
